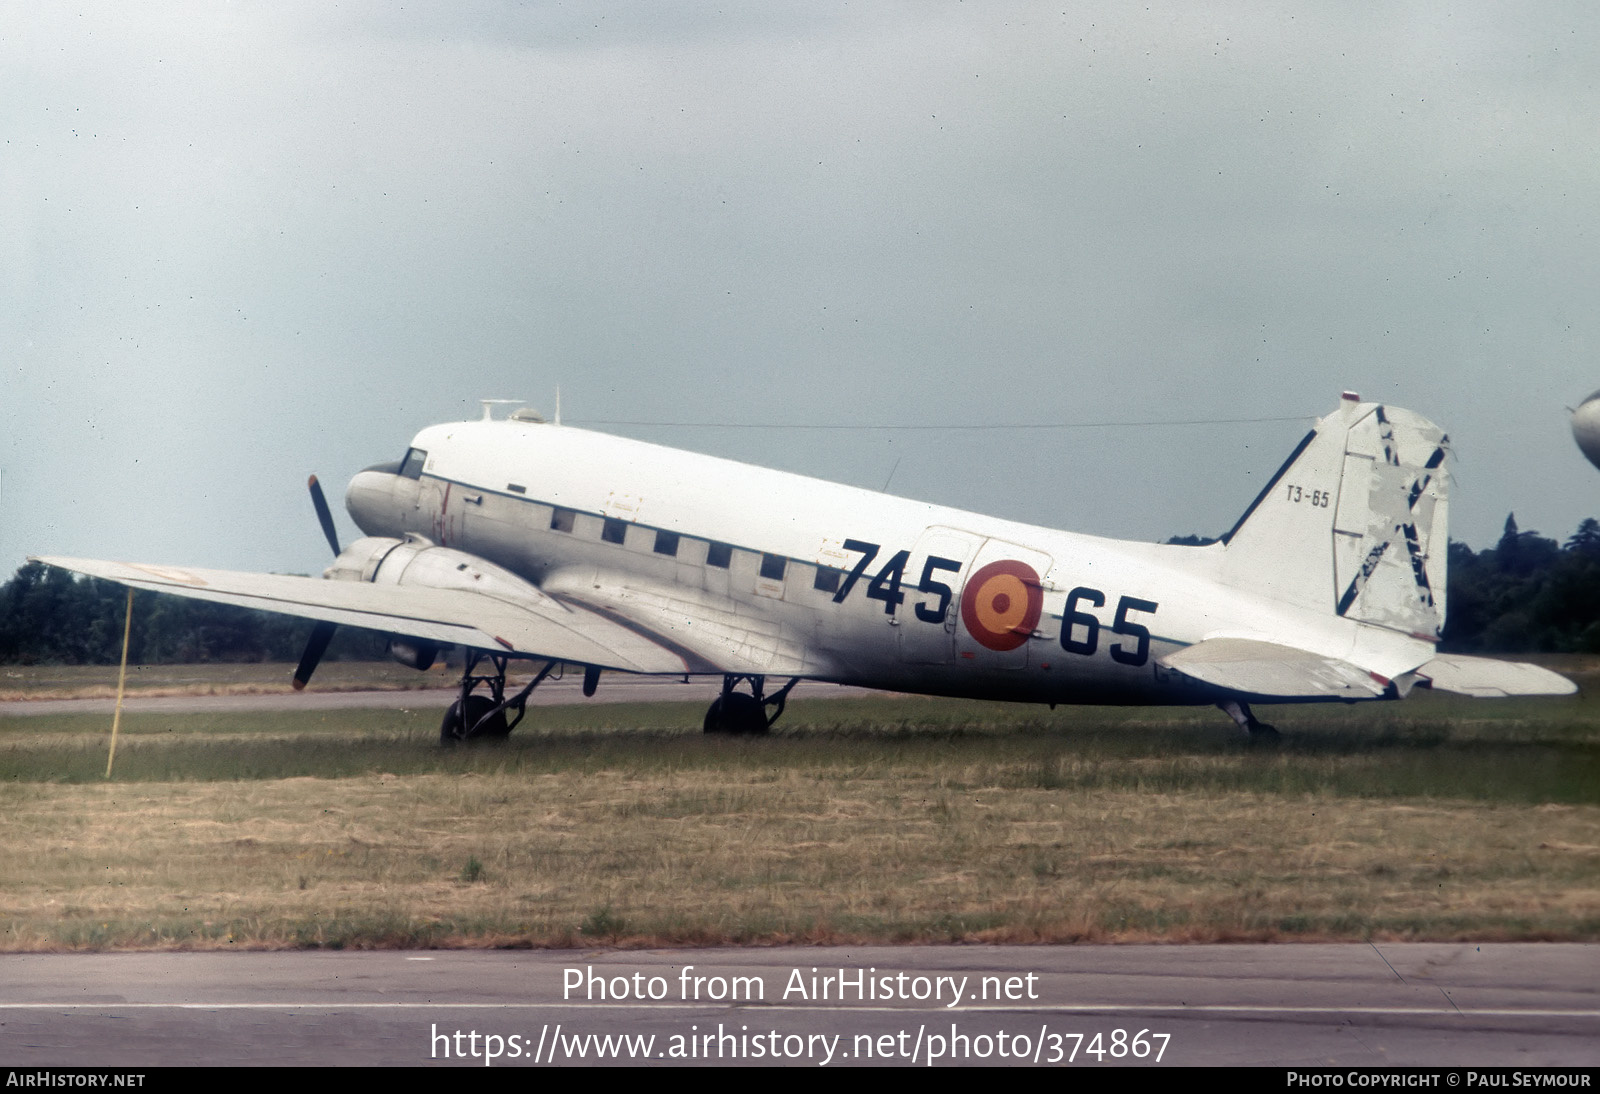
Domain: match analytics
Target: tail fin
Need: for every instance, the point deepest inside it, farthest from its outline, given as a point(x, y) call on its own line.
point(1354, 523)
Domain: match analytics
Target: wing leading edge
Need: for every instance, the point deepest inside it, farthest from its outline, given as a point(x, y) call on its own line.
point(536, 625)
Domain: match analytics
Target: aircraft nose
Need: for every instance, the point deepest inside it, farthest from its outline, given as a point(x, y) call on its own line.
point(1586, 428)
point(371, 501)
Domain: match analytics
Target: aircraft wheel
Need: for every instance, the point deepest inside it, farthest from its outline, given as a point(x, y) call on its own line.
point(737, 715)
point(455, 729)
point(1261, 733)
point(714, 722)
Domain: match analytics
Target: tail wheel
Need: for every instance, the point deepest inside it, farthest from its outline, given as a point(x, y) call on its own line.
point(455, 728)
point(737, 715)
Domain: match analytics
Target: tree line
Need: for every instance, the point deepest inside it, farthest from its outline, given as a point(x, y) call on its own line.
point(1526, 594)
point(51, 616)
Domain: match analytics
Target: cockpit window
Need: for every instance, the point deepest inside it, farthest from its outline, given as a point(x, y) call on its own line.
point(411, 466)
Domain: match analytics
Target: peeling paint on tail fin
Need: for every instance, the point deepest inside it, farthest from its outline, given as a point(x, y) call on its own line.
point(1354, 523)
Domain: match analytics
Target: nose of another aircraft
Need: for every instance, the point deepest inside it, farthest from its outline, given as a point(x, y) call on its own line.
point(1586, 427)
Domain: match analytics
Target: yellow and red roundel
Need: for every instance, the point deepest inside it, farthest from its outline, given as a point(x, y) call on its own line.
point(1001, 604)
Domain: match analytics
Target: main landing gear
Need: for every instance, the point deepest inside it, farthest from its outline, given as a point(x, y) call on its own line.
point(481, 716)
point(737, 713)
point(1240, 713)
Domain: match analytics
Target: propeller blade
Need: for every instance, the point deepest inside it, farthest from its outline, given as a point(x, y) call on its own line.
point(324, 516)
point(316, 646)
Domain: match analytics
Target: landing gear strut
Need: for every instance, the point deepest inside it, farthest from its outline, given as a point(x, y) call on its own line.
point(482, 716)
point(737, 713)
point(1240, 713)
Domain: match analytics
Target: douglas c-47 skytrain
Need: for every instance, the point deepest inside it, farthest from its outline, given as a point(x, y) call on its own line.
point(521, 539)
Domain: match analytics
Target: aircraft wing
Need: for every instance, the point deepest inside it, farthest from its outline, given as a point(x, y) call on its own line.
point(1271, 671)
point(1484, 678)
point(535, 625)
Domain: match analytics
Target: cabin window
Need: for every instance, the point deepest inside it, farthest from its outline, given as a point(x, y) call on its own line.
point(719, 555)
point(614, 531)
point(827, 580)
point(562, 519)
point(411, 466)
point(515, 489)
point(772, 567)
point(666, 543)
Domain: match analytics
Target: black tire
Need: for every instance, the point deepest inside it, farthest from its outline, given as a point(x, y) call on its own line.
point(450, 728)
point(1263, 734)
point(736, 715)
point(454, 729)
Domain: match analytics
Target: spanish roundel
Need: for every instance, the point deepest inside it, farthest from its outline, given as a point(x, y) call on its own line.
point(1001, 604)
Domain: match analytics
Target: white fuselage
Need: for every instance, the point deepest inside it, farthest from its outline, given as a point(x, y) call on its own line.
point(782, 574)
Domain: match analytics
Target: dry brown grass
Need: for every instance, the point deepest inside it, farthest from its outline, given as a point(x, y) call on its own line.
point(873, 820)
point(704, 855)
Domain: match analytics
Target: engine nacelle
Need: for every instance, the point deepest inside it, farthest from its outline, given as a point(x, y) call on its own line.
point(413, 653)
point(360, 560)
point(416, 562)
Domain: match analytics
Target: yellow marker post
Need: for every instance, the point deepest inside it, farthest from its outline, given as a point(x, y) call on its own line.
point(122, 681)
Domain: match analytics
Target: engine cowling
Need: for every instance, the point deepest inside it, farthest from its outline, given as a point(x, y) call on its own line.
point(418, 562)
point(414, 653)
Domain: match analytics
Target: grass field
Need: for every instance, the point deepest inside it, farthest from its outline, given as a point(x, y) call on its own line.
point(888, 819)
point(100, 682)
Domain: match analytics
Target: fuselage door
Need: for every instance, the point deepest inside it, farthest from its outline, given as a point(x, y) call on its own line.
point(928, 619)
point(427, 507)
point(1001, 605)
point(452, 513)
point(438, 511)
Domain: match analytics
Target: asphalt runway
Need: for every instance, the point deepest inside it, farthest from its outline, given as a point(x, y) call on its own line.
point(1450, 1006)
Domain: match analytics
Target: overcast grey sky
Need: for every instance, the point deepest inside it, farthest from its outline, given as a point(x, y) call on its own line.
point(243, 242)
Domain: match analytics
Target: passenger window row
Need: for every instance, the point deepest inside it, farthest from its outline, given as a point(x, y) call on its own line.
point(718, 555)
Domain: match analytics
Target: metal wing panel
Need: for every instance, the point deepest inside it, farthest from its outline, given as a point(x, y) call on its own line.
point(538, 626)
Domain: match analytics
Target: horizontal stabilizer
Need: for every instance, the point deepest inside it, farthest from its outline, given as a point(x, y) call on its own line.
point(535, 626)
point(1269, 671)
point(1484, 678)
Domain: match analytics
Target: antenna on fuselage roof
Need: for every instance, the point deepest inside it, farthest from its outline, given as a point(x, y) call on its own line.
point(558, 404)
point(490, 404)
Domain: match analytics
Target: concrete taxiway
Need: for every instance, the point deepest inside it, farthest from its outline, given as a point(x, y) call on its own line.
point(1355, 1005)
